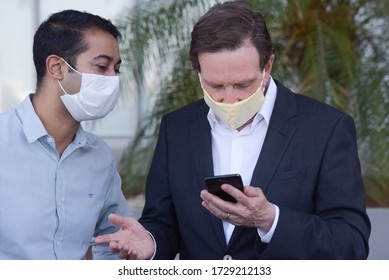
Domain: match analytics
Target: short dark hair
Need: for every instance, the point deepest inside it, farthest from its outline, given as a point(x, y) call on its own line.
point(227, 26)
point(62, 34)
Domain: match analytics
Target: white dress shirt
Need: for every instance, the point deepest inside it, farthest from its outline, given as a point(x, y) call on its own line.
point(236, 151)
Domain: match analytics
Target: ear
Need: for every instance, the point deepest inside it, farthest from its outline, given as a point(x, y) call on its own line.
point(268, 68)
point(55, 67)
point(269, 64)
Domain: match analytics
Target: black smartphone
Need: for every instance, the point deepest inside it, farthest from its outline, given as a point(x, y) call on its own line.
point(214, 185)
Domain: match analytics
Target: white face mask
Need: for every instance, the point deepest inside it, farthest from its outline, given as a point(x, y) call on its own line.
point(97, 96)
point(237, 114)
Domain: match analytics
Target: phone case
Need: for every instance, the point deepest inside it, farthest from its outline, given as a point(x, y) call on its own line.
point(214, 185)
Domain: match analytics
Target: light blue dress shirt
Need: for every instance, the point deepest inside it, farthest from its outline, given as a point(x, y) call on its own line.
point(50, 206)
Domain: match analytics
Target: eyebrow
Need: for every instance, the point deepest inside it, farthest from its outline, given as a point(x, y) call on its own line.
point(238, 83)
point(107, 57)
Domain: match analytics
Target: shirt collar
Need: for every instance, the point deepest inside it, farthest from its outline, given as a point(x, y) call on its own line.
point(264, 113)
point(81, 138)
point(33, 127)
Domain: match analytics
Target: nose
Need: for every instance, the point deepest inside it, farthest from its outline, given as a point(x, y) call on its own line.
point(111, 72)
point(230, 95)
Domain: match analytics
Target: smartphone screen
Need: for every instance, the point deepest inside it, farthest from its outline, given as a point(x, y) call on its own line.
point(214, 185)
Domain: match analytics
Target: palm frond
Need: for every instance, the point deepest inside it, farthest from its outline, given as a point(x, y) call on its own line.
point(335, 51)
point(155, 45)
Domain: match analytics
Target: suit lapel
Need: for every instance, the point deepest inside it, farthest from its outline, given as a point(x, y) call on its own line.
point(201, 146)
point(281, 129)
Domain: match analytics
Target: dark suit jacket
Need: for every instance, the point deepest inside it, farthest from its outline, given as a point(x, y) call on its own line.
point(308, 166)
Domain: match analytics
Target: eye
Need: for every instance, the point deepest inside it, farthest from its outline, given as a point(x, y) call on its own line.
point(102, 68)
point(216, 86)
point(243, 85)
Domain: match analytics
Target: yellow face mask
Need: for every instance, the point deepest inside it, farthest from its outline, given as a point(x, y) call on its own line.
point(237, 114)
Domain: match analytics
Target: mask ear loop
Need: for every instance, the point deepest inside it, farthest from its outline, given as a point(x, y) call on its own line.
point(201, 83)
point(263, 78)
point(61, 87)
point(70, 66)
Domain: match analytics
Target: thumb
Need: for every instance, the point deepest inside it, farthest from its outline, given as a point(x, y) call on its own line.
point(118, 220)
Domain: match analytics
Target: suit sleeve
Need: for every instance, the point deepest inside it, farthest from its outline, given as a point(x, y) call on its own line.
point(159, 216)
point(338, 228)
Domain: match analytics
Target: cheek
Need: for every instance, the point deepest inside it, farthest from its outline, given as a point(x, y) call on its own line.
point(74, 84)
point(222, 97)
point(216, 96)
point(71, 84)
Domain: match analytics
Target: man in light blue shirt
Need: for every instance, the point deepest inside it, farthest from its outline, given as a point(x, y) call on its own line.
point(59, 183)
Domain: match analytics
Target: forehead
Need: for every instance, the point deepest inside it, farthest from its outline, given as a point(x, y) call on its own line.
point(230, 66)
point(100, 44)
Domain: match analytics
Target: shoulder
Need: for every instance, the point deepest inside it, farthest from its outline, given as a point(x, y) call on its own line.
point(306, 106)
point(197, 109)
point(95, 140)
point(10, 124)
point(99, 146)
point(7, 115)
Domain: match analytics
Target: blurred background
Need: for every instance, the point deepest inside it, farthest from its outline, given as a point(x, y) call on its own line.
point(19, 20)
point(334, 51)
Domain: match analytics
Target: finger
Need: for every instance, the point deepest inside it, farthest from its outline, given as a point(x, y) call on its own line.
point(206, 195)
point(252, 191)
point(209, 201)
point(217, 206)
point(209, 198)
point(107, 238)
point(114, 246)
point(221, 214)
point(133, 255)
point(123, 254)
point(234, 192)
point(119, 221)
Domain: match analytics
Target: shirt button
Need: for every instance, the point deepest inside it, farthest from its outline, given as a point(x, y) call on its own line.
point(227, 258)
point(49, 140)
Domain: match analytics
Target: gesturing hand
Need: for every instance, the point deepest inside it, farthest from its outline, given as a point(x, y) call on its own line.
point(131, 241)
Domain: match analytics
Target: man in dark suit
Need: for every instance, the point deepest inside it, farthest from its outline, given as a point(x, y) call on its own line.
point(303, 196)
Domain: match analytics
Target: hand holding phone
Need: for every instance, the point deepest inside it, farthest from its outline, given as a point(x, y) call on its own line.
point(214, 185)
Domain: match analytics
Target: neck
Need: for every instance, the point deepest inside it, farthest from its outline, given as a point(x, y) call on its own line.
point(56, 119)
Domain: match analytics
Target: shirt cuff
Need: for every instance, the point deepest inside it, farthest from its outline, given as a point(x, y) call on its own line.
point(155, 245)
point(266, 237)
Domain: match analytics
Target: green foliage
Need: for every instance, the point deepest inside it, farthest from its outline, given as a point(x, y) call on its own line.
point(335, 51)
point(155, 46)
point(370, 109)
